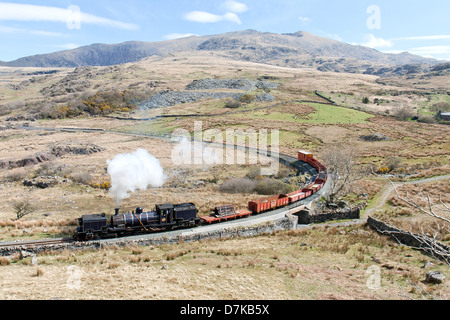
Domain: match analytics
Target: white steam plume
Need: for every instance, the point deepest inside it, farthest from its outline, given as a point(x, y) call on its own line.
point(193, 153)
point(133, 172)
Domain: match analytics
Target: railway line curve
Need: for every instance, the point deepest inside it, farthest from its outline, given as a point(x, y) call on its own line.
point(275, 217)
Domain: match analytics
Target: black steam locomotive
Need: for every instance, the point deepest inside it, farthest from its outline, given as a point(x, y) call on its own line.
point(165, 217)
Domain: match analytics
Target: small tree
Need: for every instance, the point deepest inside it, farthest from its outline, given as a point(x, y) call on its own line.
point(403, 113)
point(427, 239)
point(22, 208)
point(340, 161)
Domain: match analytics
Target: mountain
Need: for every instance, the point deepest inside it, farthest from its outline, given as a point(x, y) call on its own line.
point(300, 49)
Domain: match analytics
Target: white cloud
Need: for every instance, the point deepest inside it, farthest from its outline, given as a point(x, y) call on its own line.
point(432, 37)
point(305, 20)
point(206, 17)
point(67, 46)
point(11, 30)
point(437, 52)
point(234, 6)
point(173, 36)
point(28, 12)
point(374, 42)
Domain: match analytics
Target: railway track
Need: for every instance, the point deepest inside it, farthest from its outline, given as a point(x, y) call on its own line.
point(35, 243)
point(283, 158)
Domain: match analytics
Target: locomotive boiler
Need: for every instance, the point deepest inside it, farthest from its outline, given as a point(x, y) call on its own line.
point(165, 217)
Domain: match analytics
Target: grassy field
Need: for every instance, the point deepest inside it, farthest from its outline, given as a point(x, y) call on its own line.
point(324, 114)
point(318, 263)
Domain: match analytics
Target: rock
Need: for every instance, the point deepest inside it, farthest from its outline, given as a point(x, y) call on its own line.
point(434, 277)
point(374, 137)
point(24, 254)
point(76, 148)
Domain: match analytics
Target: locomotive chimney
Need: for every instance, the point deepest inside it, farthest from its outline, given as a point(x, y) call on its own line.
point(117, 211)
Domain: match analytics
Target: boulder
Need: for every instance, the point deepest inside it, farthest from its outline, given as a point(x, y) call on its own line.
point(434, 277)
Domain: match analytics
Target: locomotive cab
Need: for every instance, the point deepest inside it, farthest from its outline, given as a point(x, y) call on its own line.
point(165, 212)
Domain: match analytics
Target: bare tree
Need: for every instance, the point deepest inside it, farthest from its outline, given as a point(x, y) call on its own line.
point(22, 208)
point(340, 161)
point(428, 235)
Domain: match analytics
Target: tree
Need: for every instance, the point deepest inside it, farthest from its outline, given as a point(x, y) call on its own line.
point(428, 235)
point(440, 107)
point(22, 208)
point(340, 161)
point(403, 113)
point(365, 100)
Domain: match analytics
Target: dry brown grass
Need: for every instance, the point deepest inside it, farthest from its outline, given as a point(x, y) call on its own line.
point(319, 263)
point(312, 264)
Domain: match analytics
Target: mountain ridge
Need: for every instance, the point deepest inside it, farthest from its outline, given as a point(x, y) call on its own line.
point(299, 49)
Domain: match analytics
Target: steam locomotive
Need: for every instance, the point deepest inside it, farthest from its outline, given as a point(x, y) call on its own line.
point(179, 216)
point(165, 217)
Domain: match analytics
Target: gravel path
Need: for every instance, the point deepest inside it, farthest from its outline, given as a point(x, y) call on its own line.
point(389, 188)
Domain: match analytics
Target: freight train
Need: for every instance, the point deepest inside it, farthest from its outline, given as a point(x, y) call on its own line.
point(181, 216)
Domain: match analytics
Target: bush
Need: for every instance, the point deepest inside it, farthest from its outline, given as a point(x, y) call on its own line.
point(440, 107)
point(393, 163)
point(247, 98)
point(426, 119)
point(22, 208)
point(254, 173)
point(82, 177)
point(232, 104)
point(272, 187)
point(238, 185)
point(403, 113)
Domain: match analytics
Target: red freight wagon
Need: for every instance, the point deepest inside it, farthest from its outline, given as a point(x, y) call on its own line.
point(305, 156)
point(322, 178)
point(307, 191)
point(296, 196)
point(225, 213)
point(273, 202)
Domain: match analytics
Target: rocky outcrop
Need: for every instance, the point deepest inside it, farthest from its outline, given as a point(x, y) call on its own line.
point(75, 148)
point(233, 84)
point(172, 98)
point(28, 161)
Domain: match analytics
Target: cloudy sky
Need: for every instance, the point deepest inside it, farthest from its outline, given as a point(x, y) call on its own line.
point(35, 27)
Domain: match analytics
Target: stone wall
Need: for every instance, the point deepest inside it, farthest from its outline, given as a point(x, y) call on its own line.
point(305, 216)
point(287, 223)
point(421, 242)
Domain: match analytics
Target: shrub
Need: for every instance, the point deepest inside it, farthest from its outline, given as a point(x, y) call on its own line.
point(232, 104)
point(247, 98)
point(271, 187)
point(426, 119)
point(403, 113)
point(393, 163)
point(22, 208)
point(440, 107)
point(16, 175)
point(82, 177)
point(254, 173)
point(238, 185)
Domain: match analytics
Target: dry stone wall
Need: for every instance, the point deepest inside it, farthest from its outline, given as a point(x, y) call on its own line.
point(287, 223)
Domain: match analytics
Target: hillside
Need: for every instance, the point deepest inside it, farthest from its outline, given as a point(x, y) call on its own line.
point(59, 126)
point(300, 49)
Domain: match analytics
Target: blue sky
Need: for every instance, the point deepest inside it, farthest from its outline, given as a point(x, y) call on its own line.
point(35, 27)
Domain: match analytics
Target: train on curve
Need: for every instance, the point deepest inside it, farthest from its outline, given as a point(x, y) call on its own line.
point(181, 216)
